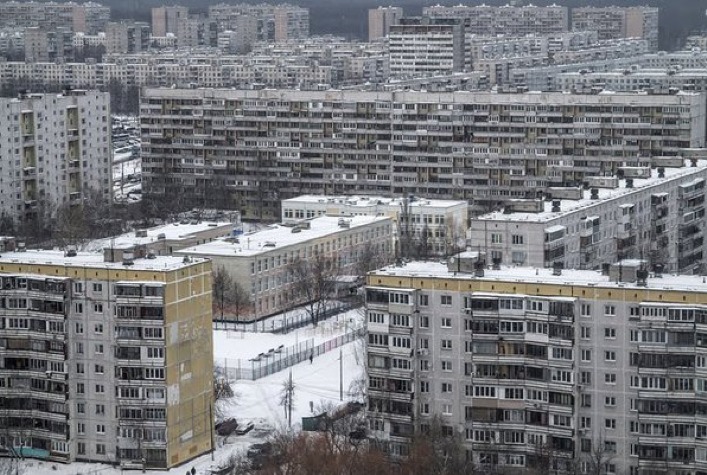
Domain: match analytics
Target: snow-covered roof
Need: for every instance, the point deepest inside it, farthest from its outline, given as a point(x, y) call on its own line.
point(92, 259)
point(279, 236)
point(568, 206)
point(364, 201)
point(170, 232)
point(532, 275)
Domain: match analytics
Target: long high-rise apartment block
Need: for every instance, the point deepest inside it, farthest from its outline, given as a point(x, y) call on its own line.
point(260, 147)
point(105, 360)
point(56, 150)
point(504, 20)
point(618, 22)
point(87, 17)
point(535, 368)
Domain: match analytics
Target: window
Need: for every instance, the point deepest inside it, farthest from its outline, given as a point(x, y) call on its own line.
point(375, 317)
point(446, 365)
point(610, 355)
point(424, 365)
point(446, 322)
point(153, 352)
point(610, 401)
point(610, 332)
point(446, 344)
point(446, 409)
point(446, 299)
point(585, 333)
point(424, 408)
point(586, 400)
point(98, 328)
point(100, 409)
point(100, 428)
point(609, 310)
point(78, 287)
point(81, 448)
point(610, 446)
point(585, 422)
point(585, 377)
point(496, 238)
point(80, 388)
point(80, 368)
point(424, 321)
point(446, 387)
point(585, 310)
point(424, 300)
point(610, 378)
point(586, 355)
point(81, 407)
point(101, 449)
point(100, 389)
point(98, 348)
point(517, 239)
point(98, 308)
point(81, 428)
point(424, 386)
point(98, 287)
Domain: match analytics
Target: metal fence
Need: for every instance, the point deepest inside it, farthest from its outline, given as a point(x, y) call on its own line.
point(281, 358)
point(283, 323)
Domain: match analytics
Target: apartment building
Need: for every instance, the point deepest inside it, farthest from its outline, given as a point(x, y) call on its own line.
point(165, 19)
point(635, 78)
point(260, 262)
point(264, 146)
point(86, 17)
point(262, 22)
point(48, 45)
point(380, 19)
point(127, 37)
point(104, 360)
point(291, 23)
point(504, 20)
point(419, 47)
point(444, 222)
point(651, 210)
point(595, 370)
point(56, 149)
point(618, 22)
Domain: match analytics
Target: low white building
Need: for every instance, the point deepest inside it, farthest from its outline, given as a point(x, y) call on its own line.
point(259, 262)
point(445, 221)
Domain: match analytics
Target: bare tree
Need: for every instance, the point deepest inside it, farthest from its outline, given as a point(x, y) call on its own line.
point(314, 283)
point(437, 449)
point(230, 298)
point(598, 457)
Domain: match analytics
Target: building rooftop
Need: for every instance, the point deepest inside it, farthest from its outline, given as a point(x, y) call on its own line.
point(532, 275)
point(568, 206)
point(169, 232)
point(278, 236)
point(93, 260)
point(366, 201)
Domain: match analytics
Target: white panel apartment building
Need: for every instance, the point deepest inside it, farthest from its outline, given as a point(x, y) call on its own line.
point(618, 22)
point(425, 47)
point(505, 20)
point(602, 370)
point(444, 221)
point(54, 149)
point(264, 146)
point(655, 214)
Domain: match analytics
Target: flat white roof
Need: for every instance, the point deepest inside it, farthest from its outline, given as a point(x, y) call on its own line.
point(93, 260)
point(605, 194)
point(532, 275)
point(172, 232)
point(278, 236)
point(364, 201)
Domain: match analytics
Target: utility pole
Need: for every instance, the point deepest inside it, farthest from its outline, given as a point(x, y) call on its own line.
point(290, 390)
point(341, 375)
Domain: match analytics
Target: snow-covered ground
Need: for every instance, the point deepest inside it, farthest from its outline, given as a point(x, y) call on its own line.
point(258, 401)
point(234, 344)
